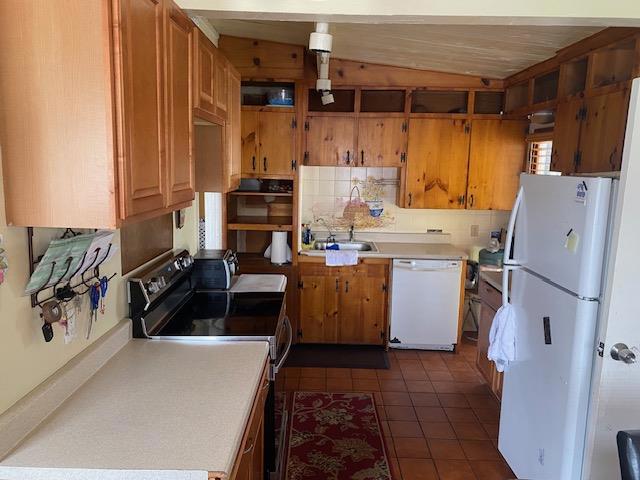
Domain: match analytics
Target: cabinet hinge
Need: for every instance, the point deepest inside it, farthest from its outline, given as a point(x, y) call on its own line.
point(404, 126)
point(467, 128)
point(300, 284)
point(384, 287)
point(305, 158)
point(403, 157)
point(583, 113)
point(306, 125)
point(294, 164)
point(577, 158)
point(600, 349)
point(294, 123)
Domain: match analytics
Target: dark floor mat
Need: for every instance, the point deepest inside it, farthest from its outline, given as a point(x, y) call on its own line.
point(337, 356)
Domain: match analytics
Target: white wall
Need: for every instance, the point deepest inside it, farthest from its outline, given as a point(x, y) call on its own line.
point(325, 189)
point(25, 359)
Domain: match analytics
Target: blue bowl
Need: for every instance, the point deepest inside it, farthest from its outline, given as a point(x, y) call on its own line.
point(375, 212)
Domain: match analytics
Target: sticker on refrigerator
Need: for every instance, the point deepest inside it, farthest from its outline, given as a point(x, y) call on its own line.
point(572, 240)
point(581, 193)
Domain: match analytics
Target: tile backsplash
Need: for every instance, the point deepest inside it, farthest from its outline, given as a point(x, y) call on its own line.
point(325, 191)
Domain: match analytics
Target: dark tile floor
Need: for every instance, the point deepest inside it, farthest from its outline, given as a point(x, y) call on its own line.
point(439, 418)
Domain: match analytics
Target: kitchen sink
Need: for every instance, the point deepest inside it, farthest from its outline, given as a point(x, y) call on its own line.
point(346, 245)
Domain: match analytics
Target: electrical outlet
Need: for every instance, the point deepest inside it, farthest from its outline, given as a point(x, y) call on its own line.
point(475, 230)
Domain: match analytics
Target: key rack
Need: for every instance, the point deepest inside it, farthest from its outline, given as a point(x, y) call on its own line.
point(84, 282)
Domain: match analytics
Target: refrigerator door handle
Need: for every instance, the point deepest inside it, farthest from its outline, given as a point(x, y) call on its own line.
point(510, 229)
point(505, 282)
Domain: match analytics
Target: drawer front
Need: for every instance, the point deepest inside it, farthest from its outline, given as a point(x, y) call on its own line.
point(490, 295)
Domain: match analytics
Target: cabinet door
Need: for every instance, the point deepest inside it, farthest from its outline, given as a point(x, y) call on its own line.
point(437, 163)
point(362, 308)
point(566, 134)
point(275, 152)
point(221, 84)
point(249, 142)
point(381, 142)
point(496, 159)
point(484, 325)
point(330, 141)
point(319, 308)
point(178, 43)
point(602, 134)
point(234, 132)
point(140, 107)
point(204, 73)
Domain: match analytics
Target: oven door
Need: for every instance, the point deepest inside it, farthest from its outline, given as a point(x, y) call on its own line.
point(282, 346)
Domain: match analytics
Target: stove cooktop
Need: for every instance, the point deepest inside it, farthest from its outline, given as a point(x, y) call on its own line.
point(220, 313)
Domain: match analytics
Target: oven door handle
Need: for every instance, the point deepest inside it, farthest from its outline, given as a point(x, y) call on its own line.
point(278, 366)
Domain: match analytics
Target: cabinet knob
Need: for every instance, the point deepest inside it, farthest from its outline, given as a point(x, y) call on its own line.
point(264, 163)
point(361, 157)
point(348, 157)
point(253, 163)
point(410, 198)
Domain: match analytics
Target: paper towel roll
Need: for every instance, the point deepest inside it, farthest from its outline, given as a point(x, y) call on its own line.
point(279, 248)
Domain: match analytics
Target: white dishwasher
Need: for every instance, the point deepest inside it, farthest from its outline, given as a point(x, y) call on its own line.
point(425, 303)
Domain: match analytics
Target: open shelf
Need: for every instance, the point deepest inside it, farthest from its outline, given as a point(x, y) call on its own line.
point(262, 194)
point(434, 101)
point(257, 263)
point(382, 101)
point(488, 102)
point(517, 96)
point(613, 64)
point(574, 77)
point(258, 94)
point(344, 101)
point(545, 87)
point(257, 222)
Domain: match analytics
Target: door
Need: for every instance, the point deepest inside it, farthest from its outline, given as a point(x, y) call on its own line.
point(249, 142)
point(602, 133)
point(496, 158)
point(615, 384)
point(437, 163)
point(319, 308)
point(566, 135)
point(179, 58)
point(560, 230)
point(276, 139)
point(204, 75)
point(233, 131)
point(140, 108)
point(382, 142)
point(546, 389)
point(330, 141)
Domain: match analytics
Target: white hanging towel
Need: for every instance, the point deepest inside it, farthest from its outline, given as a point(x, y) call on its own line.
point(341, 258)
point(502, 337)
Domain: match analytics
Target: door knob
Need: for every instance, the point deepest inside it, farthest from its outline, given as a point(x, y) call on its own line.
point(623, 353)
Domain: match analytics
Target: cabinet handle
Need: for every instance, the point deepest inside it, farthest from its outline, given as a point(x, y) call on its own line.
point(248, 450)
point(264, 163)
point(410, 198)
point(471, 200)
point(346, 286)
point(361, 157)
point(253, 163)
point(348, 157)
point(337, 287)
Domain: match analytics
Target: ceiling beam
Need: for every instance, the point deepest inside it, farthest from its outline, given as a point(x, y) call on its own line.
point(624, 13)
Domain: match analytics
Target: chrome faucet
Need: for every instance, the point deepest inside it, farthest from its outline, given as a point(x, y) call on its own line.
point(351, 233)
point(331, 238)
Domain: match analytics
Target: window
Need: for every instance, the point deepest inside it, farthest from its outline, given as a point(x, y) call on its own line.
point(540, 158)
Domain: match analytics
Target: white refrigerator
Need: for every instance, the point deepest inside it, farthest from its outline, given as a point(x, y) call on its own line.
point(558, 230)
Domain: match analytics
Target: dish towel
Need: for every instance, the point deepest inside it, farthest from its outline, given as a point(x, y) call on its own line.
point(341, 258)
point(502, 338)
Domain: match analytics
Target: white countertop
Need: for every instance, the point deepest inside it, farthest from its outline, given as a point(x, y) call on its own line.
point(420, 251)
point(158, 409)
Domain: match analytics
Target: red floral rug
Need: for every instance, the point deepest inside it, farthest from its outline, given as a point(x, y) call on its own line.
point(335, 436)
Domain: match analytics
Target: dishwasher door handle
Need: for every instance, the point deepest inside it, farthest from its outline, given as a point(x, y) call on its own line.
point(410, 265)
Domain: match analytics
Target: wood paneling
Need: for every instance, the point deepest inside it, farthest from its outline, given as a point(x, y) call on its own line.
point(566, 135)
point(496, 158)
point(602, 133)
point(179, 104)
point(437, 163)
point(47, 170)
point(141, 151)
point(276, 142)
point(249, 141)
point(262, 59)
point(330, 141)
point(382, 141)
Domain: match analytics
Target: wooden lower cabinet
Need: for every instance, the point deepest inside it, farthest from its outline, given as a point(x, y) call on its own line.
point(346, 305)
point(249, 464)
point(491, 298)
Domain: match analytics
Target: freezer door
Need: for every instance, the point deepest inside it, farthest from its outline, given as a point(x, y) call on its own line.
point(546, 390)
point(560, 230)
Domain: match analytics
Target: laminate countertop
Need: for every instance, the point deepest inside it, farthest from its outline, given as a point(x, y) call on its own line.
point(418, 251)
point(158, 409)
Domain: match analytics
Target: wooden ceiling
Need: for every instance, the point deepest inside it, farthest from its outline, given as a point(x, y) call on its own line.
point(494, 51)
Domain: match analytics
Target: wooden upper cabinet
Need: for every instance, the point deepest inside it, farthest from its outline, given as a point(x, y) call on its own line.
point(382, 142)
point(276, 141)
point(496, 159)
point(330, 141)
point(179, 59)
point(221, 85)
point(249, 142)
point(437, 163)
point(204, 73)
point(141, 145)
point(234, 132)
point(602, 134)
point(566, 134)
